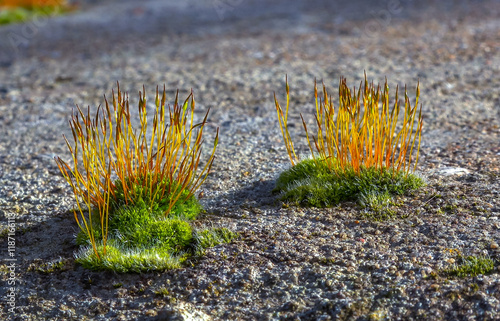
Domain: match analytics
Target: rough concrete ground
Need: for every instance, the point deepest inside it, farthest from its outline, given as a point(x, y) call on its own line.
point(289, 263)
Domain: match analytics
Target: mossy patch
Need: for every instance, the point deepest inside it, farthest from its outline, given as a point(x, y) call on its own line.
point(211, 237)
point(312, 183)
point(142, 238)
point(157, 198)
point(471, 266)
point(61, 264)
point(124, 258)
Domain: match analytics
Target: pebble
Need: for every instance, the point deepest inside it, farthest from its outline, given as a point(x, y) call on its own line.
point(434, 287)
point(451, 171)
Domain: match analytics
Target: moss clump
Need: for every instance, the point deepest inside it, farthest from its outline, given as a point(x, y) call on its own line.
point(141, 238)
point(471, 266)
point(135, 187)
point(123, 260)
point(312, 183)
point(124, 257)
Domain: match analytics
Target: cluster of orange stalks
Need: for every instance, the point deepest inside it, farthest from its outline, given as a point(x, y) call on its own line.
point(364, 132)
point(111, 149)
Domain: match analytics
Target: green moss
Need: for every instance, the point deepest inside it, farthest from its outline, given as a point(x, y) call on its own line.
point(312, 183)
point(13, 15)
point(157, 199)
point(142, 238)
point(50, 267)
point(154, 256)
point(138, 241)
point(378, 205)
point(4, 232)
point(471, 266)
point(124, 260)
point(162, 292)
point(327, 260)
point(138, 227)
point(211, 237)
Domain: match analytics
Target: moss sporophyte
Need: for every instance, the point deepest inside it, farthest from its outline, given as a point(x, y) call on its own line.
point(135, 188)
point(360, 152)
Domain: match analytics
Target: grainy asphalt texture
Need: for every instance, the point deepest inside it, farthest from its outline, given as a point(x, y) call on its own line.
point(289, 263)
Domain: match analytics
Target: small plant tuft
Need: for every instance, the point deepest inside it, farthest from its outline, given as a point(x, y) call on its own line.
point(471, 266)
point(377, 204)
point(162, 292)
point(50, 267)
point(211, 237)
point(134, 187)
point(358, 153)
point(313, 183)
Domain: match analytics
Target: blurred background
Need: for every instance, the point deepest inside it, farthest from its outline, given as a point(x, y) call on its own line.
point(88, 26)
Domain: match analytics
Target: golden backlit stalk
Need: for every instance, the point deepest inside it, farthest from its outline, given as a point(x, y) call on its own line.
point(283, 121)
point(107, 149)
point(364, 132)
